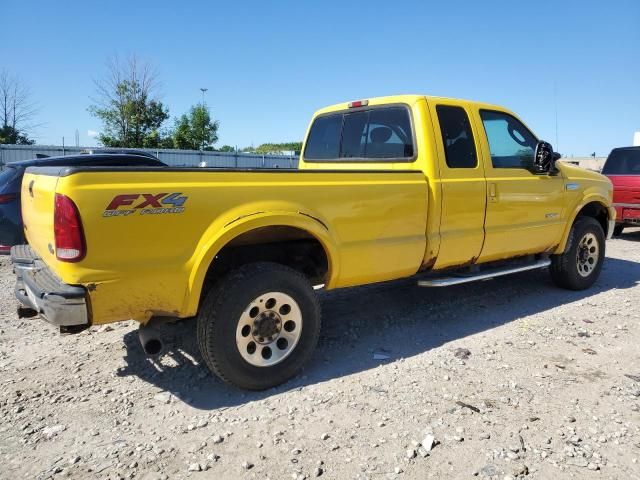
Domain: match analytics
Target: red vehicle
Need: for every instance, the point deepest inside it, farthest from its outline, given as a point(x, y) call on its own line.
point(623, 169)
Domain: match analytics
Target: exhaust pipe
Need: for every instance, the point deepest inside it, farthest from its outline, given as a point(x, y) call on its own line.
point(150, 340)
point(26, 312)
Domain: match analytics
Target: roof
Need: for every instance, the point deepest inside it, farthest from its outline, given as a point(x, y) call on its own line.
point(408, 99)
point(635, 147)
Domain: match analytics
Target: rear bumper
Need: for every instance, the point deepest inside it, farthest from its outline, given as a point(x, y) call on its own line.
point(627, 213)
point(38, 288)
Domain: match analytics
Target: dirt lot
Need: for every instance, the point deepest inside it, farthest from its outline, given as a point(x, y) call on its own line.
point(512, 377)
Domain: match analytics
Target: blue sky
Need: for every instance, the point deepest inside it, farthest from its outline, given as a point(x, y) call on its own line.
point(269, 65)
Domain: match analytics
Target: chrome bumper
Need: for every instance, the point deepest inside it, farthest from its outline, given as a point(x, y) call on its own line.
point(38, 288)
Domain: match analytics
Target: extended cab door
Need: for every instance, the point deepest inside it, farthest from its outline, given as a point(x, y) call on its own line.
point(463, 184)
point(524, 210)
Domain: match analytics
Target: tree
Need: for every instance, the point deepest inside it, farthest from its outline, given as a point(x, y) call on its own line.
point(159, 139)
point(196, 130)
point(226, 148)
point(16, 110)
point(128, 105)
point(279, 147)
point(9, 135)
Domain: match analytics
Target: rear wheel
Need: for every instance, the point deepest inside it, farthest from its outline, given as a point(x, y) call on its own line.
point(617, 230)
point(580, 264)
point(259, 325)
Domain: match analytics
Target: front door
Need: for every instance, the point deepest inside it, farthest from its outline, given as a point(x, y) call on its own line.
point(524, 210)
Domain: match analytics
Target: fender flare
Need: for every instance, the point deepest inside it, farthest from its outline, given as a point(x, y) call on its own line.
point(215, 239)
point(574, 214)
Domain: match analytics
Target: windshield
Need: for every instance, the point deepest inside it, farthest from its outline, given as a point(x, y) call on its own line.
point(623, 162)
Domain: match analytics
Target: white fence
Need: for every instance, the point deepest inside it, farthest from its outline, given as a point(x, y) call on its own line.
point(174, 158)
point(194, 158)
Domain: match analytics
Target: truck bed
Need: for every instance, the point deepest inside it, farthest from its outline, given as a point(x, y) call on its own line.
point(152, 233)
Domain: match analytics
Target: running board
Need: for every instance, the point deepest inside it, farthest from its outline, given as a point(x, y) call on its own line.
point(456, 280)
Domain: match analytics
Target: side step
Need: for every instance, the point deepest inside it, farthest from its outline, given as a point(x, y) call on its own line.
point(486, 275)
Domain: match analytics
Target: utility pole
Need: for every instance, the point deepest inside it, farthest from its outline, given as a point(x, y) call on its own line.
point(203, 90)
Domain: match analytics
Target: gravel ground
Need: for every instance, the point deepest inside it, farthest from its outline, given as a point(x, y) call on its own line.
point(510, 378)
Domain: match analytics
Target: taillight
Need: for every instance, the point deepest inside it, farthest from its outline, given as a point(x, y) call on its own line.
point(359, 103)
point(67, 227)
point(7, 198)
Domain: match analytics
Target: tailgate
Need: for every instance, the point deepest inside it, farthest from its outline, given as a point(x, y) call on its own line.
point(38, 196)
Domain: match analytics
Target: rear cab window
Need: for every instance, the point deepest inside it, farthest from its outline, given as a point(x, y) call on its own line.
point(624, 161)
point(370, 134)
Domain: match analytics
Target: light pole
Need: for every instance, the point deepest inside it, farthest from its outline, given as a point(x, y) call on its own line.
point(203, 90)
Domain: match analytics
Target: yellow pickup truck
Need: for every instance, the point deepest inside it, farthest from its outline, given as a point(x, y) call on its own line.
point(448, 191)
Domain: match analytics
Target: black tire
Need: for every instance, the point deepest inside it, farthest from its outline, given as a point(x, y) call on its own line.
point(617, 230)
point(222, 309)
point(564, 267)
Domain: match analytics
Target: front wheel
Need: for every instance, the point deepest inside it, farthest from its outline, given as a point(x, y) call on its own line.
point(259, 325)
point(580, 264)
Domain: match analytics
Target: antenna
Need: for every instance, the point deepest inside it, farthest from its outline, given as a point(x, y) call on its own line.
point(203, 90)
point(555, 102)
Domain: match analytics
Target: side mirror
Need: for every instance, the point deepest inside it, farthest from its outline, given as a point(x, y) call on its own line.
point(544, 159)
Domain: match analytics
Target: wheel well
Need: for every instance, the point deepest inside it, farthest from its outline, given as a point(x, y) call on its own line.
point(599, 212)
point(290, 246)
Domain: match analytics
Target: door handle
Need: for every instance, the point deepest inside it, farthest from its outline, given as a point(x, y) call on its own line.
point(493, 197)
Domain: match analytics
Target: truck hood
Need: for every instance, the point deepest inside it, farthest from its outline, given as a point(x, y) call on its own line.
point(573, 172)
point(588, 181)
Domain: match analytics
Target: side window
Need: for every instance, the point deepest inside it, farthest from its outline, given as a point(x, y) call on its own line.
point(457, 137)
point(511, 144)
point(324, 138)
point(362, 135)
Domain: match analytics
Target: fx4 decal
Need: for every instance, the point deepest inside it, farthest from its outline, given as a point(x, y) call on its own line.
point(145, 204)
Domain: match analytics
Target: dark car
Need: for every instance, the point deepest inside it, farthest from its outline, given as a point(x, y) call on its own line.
point(11, 180)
